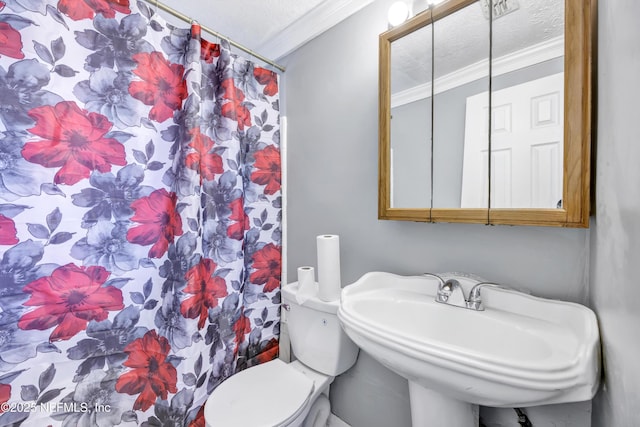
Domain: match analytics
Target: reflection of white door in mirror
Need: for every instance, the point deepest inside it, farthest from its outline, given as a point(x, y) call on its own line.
point(526, 146)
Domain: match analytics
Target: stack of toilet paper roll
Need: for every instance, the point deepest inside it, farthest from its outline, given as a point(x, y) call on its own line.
point(328, 287)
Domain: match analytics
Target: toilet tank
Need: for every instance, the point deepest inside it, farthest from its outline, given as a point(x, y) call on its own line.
point(316, 336)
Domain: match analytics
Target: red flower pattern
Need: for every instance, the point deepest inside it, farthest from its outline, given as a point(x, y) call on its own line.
point(267, 265)
point(8, 232)
point(209, 50)
point(206, 163)
point(235, 109)
point(162, 85)
point(267, 78)
point(206, 289)
point(10, 40)
point(73, 139)
point(269, 352)
point(5, 395)
point(68, 299)
point(159, 219)
point(151, 374)
point(241, 220)
point(268, 169)
point(198, 421)
point(87, 9)
point(242, 327)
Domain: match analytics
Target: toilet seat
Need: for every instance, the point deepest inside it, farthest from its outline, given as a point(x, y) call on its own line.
point(268, 395)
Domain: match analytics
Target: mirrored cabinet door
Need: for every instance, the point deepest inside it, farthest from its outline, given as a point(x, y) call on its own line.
point(461, 111)
point(527, 121)
point(410, 150)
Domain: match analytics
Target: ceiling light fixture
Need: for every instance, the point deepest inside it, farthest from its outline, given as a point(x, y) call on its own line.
point(398, 13)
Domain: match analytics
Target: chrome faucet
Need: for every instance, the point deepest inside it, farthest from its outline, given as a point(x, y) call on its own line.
point(451, 292)
point(475, 297)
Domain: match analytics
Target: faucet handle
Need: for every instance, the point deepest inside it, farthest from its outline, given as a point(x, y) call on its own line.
point(475, 295)
point(451, 292)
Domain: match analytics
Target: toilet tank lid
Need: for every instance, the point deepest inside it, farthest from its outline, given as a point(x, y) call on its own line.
point(266, 395)
point(289, 296)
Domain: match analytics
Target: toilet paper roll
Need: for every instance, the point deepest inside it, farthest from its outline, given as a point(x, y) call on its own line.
point(307, 287)
point(329, 286)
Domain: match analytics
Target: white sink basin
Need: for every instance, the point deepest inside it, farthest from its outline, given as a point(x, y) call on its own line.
point(520, 351)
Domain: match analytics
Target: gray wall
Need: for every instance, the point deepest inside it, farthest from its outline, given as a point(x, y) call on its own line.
point(411, 148)
point(615, 234)
point(331, 100)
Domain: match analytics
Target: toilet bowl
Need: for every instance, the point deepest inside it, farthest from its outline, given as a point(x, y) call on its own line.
point(278, 394)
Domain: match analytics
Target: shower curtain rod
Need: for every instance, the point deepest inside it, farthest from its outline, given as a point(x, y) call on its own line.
point(185, 18)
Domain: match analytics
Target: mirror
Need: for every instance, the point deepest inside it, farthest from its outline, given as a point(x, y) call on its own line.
point(410, 150)
point(461, 72)
point(504, 90)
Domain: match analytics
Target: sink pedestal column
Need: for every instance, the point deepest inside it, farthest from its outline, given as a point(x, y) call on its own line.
point(432, 409)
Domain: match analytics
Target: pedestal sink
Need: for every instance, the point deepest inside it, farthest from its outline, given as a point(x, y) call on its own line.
point(520, 351)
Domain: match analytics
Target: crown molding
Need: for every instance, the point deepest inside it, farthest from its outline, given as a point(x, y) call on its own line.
point(544, 51)
point(310, 25)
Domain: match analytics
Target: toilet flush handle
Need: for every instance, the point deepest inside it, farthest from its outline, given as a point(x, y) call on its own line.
point(287, 307)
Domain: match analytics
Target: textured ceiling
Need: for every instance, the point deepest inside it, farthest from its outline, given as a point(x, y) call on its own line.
point(248, 22)
point(462, 39)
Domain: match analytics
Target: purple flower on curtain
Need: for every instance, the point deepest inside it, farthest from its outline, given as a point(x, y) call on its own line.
point(181, 256)
point(214, 124)
point(171, 324)
point(74, 140)
point(106, 245)
point(107, 92)
point(111, 196)
point(106, 342)
point(162, 86)
point(18, 178)
point(219, 194)
point(16, 345)
point(243, 77)
point(176, 45)
point(171, 414)
point(27, 5)
point(17, 268)
point(94, 393)
point(206, 289)
point(87, 9)
point(69, 299)
point(213, 74)
point(217, 246)
point(151, 374)
point(114, 43)
point(21, 91)
point(159, 222)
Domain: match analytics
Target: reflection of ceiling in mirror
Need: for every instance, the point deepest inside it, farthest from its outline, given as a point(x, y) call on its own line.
point(462, 39)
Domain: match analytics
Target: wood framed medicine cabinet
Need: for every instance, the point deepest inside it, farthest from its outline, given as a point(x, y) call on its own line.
point(431, 171)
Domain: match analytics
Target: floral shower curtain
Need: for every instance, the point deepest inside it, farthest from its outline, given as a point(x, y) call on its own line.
point(140, 213)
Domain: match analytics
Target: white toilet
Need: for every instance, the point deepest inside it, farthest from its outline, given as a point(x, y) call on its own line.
point(295, 394)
